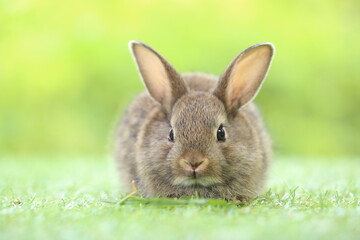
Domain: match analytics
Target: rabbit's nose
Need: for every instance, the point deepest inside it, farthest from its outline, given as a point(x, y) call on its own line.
point(196, 165)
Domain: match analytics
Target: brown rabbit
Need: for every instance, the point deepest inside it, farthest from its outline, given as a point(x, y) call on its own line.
point(196, 133)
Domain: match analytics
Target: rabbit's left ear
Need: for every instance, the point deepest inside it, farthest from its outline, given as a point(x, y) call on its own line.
point(243, 78)
point(164, 84)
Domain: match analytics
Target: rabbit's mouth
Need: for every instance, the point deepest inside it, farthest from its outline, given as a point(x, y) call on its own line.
point(196, 181)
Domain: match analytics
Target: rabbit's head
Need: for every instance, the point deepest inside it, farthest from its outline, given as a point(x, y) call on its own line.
point(202, 145)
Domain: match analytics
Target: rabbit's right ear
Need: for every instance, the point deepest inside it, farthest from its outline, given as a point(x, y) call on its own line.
point(164, 84)
point(243, 78)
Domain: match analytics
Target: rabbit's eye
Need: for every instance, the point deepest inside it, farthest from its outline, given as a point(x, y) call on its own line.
point(221, 133)
point(171, 135)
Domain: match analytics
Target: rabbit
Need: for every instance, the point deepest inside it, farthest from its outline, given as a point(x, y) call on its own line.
point(195, 133)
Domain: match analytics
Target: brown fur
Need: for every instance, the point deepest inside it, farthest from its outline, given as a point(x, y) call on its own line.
point(233, 169)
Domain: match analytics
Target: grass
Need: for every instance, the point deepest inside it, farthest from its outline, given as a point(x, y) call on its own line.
point(79, 198)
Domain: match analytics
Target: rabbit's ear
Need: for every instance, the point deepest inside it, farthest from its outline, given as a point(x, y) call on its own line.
point(242, 80)
point(164, 84)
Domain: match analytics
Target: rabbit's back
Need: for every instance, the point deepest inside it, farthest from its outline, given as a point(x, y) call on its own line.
point(127, 134)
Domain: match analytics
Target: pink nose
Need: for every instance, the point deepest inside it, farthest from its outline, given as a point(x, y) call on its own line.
point(193, 161)
point(194, 165)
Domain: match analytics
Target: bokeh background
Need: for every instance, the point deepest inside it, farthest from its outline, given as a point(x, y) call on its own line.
point(66, 73)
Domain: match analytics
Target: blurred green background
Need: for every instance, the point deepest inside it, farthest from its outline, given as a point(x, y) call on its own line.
point(66, 73)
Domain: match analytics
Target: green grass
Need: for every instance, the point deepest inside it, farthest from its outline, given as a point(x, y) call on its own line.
point(79, 198)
